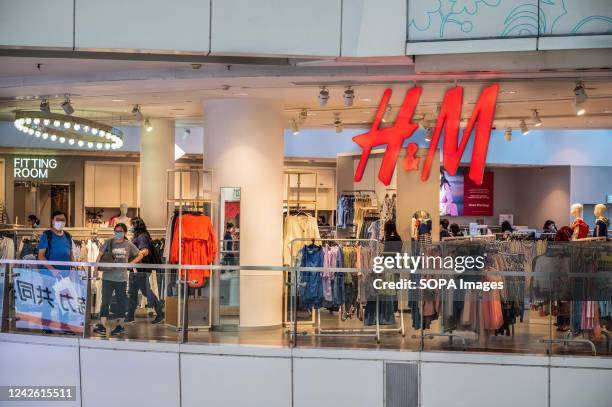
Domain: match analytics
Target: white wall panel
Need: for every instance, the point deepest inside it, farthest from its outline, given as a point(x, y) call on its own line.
point(580, 387)
point(337, 382)
point(461, 385)
point(36, 23)
point(39, 364)
point(276, 27)
point(179, 25)
point(112, 377)
point(373, 28)
point(219, 381)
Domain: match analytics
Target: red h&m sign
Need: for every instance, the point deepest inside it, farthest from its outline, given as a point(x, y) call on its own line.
point(448, 120)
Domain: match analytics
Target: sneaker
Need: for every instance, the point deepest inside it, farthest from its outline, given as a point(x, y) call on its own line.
point(100, 330)
point(118, 330)
point(129, 320)
point(158, 318)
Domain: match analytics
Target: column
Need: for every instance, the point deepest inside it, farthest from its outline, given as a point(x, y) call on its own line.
point(156, 157)
point(243, 145)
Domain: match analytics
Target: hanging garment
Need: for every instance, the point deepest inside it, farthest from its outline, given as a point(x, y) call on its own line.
point(298, 227)
point(198, 246)
point(311, 282)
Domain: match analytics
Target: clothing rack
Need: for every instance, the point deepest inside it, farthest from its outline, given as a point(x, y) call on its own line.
point(320, 332)
point(199, 201)
point(299, 203)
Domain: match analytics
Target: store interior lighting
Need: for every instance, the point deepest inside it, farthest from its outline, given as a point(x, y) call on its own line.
point(67, 106)
point(147, 125)
point(349, 96)
point(137, 113)
point(580, 97)
point(524, 128)
point(535, 116)
point(338, 123)
point(428, 133)
point(295, 129)
point(44, 107)
point(323, 96)
point(508, 134)
point(186, 134)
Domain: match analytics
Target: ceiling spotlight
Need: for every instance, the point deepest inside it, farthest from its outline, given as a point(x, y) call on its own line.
point(508, 134)
point(349, 96)
point(580, 96)
point(303, 116)
point(387, 111)
point(338, 123)
point(524, 128)
point(323, 96)
point(436, 109)
point(186, 134)
point(428, 133)
point(44, 106)
point(137, 113)
point(67, 106)
point(579, 109)
point(535, 116)
point(295, 129)
point(147, 125)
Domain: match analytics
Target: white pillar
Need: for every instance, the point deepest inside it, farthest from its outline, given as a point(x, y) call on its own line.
point(243, 145)
point(156, 157)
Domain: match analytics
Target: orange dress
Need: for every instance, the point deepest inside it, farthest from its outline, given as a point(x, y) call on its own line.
point(198, 246)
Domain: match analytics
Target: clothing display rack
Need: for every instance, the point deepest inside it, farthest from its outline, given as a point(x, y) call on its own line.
point(299, 203)
point(182, 204)
point(340, 332)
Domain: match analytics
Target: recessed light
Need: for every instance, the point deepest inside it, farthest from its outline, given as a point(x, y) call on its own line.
point(118, 100)
point(241, 94)
point(508, 92)
point(366, 100)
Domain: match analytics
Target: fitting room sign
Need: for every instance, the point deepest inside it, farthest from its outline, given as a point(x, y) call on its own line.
point(448, 121)
point(33, 167)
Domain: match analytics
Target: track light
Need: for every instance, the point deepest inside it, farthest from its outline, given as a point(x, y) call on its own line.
point(137, 113)
point(303, 116)
point(524, 128)
point(436, 110)
point(186, 134)
point(535, 116)
point(580, 97)
point(44, 106)
point(428, 133)
point(67, 106)
point(349, 96)
point(147, 125)
point(295, 129)
point(338, 123)
point(508, 134)
point(387, 111)
point(323, 96)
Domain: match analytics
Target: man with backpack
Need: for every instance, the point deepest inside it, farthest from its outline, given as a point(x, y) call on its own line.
point(139, 280)
point(55, 244)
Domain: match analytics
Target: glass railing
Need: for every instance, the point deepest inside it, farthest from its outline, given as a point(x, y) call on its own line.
point(539, 298)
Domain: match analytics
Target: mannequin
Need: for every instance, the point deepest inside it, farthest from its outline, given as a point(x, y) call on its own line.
point(122, 217)
point(601, 222)
point(580, 230)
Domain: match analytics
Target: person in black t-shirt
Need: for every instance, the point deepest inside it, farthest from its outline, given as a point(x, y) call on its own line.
point(139, 280)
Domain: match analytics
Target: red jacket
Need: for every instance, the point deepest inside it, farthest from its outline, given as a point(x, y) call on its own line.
point(198, 245)
point(580, 229)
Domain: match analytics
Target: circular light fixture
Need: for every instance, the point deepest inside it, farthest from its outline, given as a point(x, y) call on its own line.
point(75, 130)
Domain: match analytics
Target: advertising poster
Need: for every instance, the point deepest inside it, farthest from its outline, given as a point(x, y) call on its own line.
point(43, 301)
point(451, 193)
point(478, 199)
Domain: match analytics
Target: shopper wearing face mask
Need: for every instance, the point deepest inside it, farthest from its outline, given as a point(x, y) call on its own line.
point(139, 280)
point(114, 280)
point(55, 244)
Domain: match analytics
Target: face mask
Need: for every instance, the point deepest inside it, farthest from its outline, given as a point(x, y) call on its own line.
point(59, 225)
point(119, 235)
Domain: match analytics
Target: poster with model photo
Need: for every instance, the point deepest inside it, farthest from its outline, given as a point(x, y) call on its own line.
point(451, 193)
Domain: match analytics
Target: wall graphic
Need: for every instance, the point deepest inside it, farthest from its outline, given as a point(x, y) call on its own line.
point(464, 19)
point(460, 196)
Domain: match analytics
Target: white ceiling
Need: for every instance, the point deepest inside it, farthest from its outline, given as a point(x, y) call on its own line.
point(107, 90)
